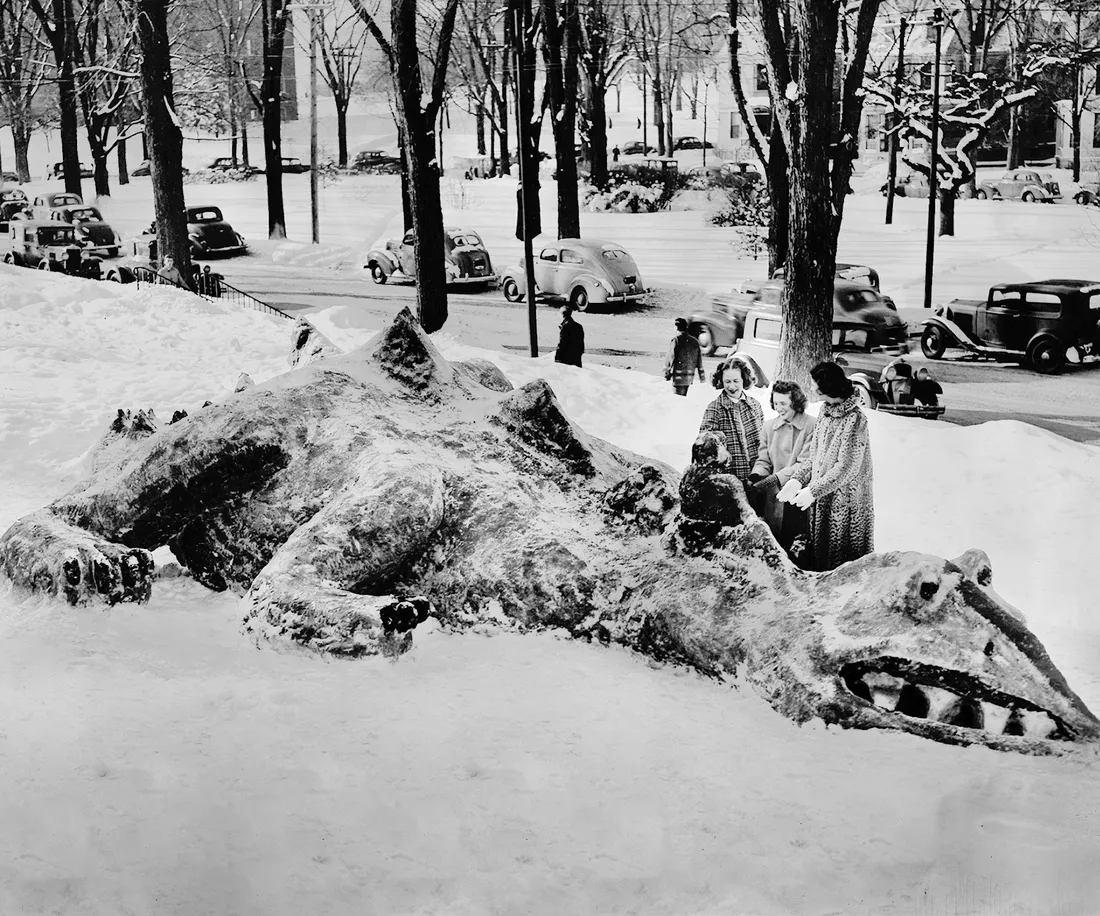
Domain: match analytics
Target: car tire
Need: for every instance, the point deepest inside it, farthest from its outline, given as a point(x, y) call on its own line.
point(1027, 197)
point(866, 401)
point(980, 194)
point(9, 258)
point(44, 265)
point(579, 299)
point(1081, 199)
point(1046, 356)
point(705, 337)
point(377, 274)
point(933, 342)
point(511, 290)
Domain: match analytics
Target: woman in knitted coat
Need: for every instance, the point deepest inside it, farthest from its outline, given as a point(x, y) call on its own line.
point(834, 475)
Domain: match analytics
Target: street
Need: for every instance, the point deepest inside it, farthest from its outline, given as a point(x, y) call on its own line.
point(637, 338)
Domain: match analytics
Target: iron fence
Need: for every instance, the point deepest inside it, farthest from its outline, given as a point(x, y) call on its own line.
point(211, 287)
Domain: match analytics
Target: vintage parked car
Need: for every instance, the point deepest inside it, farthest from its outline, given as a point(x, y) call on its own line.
point(13, 202)
point(578, 271)
point(761, 342)
point(637, 148)
point(466, 259)
point(144, 169)
point(681, 143)
point(730, 173)
point(57, 170)
point(96, 237)
point(861, 319)
point(48, 246)
point(211, 235)
point(294, 166)
point(912, 185)
point(857, 273)
point(139, 261)
point(376, 162)
point(44, 204)
point(229, 164)
point(1039, 324)
point(1088, 194)
point(1021, 184)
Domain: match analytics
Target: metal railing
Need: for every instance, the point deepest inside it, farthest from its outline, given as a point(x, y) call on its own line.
point(211, 287)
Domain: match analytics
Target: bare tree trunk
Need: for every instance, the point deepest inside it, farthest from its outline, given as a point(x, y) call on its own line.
point(342, 133)
point(21, 139)
point(779, 195)
point(947, 211)
point(1075, 134)
point(123, 165)
point(597, 133)
point(162, 132)
point(479, 127)
point(560, 38)
point(274, 36)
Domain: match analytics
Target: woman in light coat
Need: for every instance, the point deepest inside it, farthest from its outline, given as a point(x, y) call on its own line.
point(834, 475)
point(784, 438)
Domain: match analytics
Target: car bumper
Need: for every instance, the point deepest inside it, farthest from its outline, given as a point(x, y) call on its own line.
point(466, 281)
point(221, 252)
point(627, 297)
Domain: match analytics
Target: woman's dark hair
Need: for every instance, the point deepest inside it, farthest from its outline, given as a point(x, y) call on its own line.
point(831, 380)
point(794, 390)
point(748, 377)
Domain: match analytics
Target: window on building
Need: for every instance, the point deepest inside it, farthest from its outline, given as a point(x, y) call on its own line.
point(1096, 130)
point(761, 78)
point(735, 126)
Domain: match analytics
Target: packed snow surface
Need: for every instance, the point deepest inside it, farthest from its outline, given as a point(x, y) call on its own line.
point(154, 760)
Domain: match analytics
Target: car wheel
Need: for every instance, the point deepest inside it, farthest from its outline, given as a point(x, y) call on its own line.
point(9, 258)
point(579, 299)
point(377, 274)
point(1047, 356)
point(865, 399)
point(706, 340)
point(44, 265)
point(1081, 199)
point(511, 290)
point(1027, 197)
point(980, 194)
point(933, 342)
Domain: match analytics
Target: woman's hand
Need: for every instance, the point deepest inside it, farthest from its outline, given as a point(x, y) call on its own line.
point(790, 488)
point(803, 498)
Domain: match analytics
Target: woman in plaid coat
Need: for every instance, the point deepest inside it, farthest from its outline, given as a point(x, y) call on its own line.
point(737, 416)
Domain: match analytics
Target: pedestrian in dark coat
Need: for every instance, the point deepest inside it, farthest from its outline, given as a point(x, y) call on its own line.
point(570, 339)
point(684, 359)
point(834, 476)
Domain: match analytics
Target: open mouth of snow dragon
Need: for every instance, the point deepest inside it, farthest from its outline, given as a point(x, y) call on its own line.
point(926, 692)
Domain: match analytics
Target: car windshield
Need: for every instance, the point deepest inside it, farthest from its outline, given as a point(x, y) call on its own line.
point(62, 199)
point(85, 213)
point(615, 254)
point(208, 215)
point(470, 239)
point(53, 236)
point(858, 298)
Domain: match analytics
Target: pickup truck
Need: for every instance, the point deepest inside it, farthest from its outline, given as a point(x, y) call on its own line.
point(861, 319)
point(1040, 324)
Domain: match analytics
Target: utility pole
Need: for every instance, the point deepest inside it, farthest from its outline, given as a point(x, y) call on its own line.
point(528, 162)
point(312, 8)
point(895, 123)
point(933, 172)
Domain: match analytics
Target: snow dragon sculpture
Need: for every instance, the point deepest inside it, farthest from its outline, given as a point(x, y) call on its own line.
point(344, 496)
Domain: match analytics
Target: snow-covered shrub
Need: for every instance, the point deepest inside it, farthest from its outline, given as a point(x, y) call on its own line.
point(623, 198)
point(748, 209)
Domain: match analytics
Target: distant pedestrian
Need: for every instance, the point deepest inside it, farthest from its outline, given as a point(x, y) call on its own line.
point(615, 154)
point(684, 359)
point(570, 339)
point(834, 476)
point(170, 273)
point(736, 415)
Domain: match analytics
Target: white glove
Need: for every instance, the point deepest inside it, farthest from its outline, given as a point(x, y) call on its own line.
point(803, 498)
point(786, 494)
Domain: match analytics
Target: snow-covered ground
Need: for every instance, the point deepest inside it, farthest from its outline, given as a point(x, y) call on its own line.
point(154, 760)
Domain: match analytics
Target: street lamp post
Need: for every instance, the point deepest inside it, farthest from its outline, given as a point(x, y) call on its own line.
point(528, 164)
point(933, 173)
point(895, 123)
point(312, 7)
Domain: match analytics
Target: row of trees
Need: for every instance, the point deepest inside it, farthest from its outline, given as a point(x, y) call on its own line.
point(816, 59)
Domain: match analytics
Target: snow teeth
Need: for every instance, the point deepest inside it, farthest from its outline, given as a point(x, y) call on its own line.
point(941, 703)
point(1037, 724)
point(885, 689)
point(995, 717)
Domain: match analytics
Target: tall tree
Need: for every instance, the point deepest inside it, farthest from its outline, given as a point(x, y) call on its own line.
point(342, 40)
point(418, 115)
point(604, 55)
point(561, 45)
point(162, 130)
point(815, 55)
point(21, 75)
point(104, 76)
point(268, 98)
point(58, 24)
